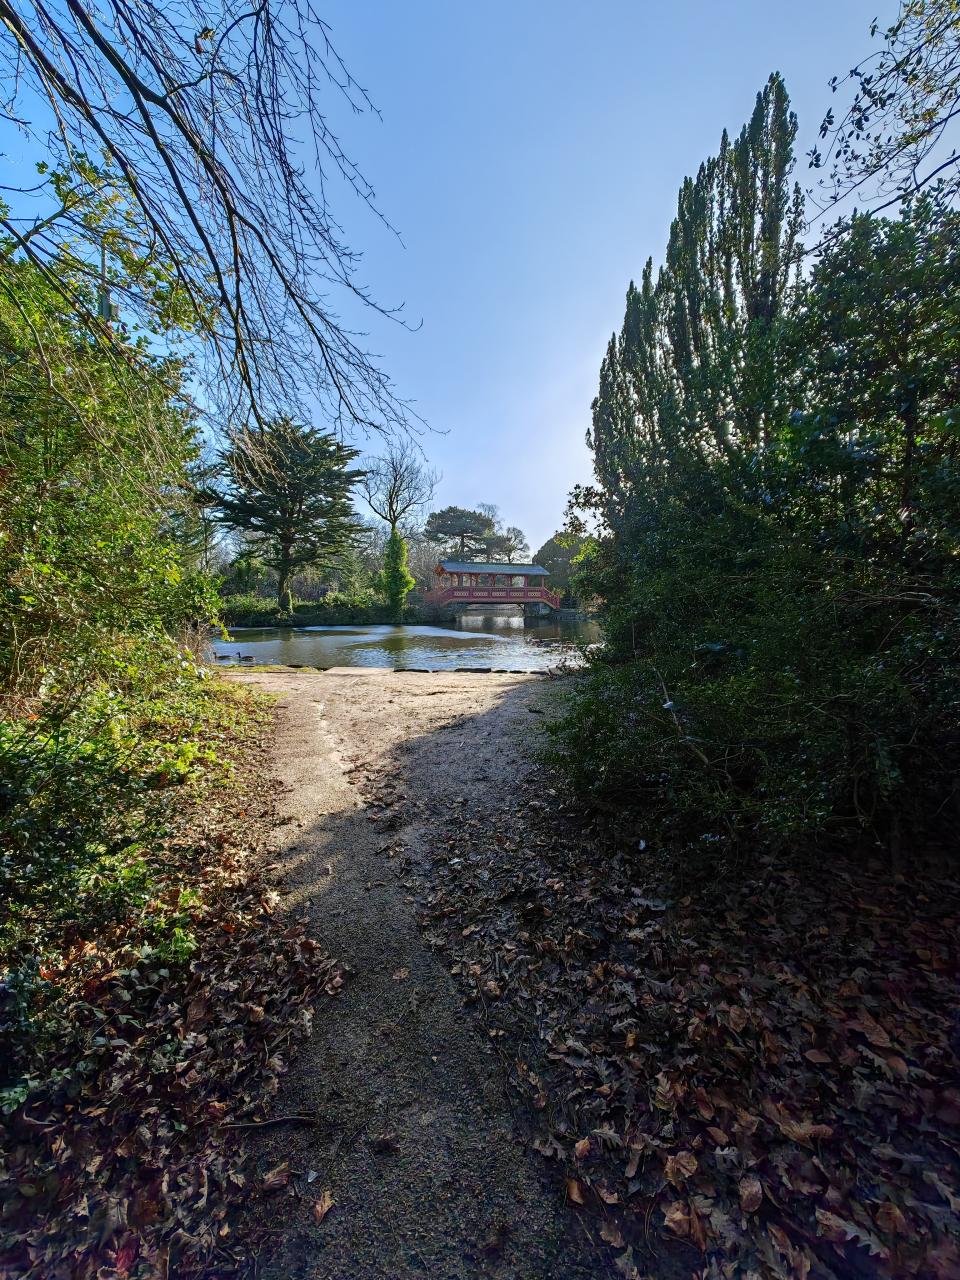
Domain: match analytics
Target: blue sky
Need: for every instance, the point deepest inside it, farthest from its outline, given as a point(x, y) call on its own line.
point(530, 154)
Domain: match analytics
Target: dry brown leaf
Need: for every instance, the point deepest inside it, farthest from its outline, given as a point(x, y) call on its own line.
point(322, 1206)
point(751, 1193)
point(676, 1216)
point(737, 1018)
point(804, 1130)
point(746, 1121)
point(575, 1191)
point(704, 1105)
point(582, 1149)
point(890, 1219)
point(680, 1167)
point(277, 1177)
point(698, 1229)
point(868, 1026)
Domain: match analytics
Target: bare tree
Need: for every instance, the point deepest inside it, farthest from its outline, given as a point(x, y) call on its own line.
point(210, 125)
point(398, 483)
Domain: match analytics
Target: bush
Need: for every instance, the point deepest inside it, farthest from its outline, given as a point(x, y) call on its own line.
point(104, 702)
point(781, 611)
point(338, 609)
point(808, 707)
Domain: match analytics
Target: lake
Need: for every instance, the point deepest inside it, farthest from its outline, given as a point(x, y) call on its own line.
point(506, 643)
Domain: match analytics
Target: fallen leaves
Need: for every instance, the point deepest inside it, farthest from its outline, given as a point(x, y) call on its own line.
point(322, 1206)
point(277, 1177)
point(676, 1218)
point(575, 1192)
point(127, 1151)
point(771, 1061)
point(751, 1193)
point(680, 1167)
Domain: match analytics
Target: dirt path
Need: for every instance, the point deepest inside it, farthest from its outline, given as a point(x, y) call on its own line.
point(430, 1173)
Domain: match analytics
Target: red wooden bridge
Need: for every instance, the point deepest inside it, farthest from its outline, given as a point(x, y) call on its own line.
point(465, 583)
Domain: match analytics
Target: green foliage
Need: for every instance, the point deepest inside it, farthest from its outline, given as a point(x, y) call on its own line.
point(396, 581)
point(780, 504)
point(290, 491)
point(91, 449)
point(460, 532)
point(336, 609)
point(104, 700)
point(563, 557)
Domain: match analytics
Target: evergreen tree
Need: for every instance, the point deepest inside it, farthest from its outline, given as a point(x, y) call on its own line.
point(396, 581)
point(777, 489)
point(559, 555)
point(694, 373)
point(459, 531)
point(508, 545)
point(290, 487)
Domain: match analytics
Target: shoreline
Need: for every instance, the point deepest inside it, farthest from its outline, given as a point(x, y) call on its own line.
point(268, 620)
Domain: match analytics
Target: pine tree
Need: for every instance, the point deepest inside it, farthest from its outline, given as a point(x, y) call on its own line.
point(290, 488)
point(459, 531)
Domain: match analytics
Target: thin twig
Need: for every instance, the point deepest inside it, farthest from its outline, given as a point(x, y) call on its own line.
point(300, 1117)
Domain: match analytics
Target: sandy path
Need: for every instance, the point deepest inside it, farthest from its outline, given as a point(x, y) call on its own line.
point(430, 1174)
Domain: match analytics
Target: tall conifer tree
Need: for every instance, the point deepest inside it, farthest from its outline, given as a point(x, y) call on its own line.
point(290, 487)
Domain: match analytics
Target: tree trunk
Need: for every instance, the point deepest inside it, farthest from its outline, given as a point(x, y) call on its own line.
point(284, 598)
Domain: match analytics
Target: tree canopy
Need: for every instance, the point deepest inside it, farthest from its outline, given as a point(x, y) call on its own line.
point(396, 580)
point(459, 531)
point(508, 545)
point(557, 555)
point(208, 131)
point(290, 487)
point(900, 133)
point(776, 489)
point(398, 484)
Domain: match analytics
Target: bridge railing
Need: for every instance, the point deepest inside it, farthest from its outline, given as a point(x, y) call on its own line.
point(493, 595)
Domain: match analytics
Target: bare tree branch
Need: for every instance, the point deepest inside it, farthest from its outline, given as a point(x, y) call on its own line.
point(214, 123)
point(398, 483)
point(899, 135)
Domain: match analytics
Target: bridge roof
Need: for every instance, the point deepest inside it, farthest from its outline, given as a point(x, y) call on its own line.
point(467, 566)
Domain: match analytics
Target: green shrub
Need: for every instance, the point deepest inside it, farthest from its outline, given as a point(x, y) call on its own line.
point(781, 588)
point(338, 609)
point(106, 711)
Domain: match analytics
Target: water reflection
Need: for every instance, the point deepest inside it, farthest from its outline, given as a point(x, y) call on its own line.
point(500, 642)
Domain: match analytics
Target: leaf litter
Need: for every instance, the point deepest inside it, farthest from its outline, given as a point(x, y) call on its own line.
point(764, 1072)
point(127, 1157)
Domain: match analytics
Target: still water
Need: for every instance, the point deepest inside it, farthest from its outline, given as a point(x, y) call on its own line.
point(504, 643)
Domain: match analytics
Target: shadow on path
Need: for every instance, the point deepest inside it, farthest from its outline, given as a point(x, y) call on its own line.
point(414, 1136)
